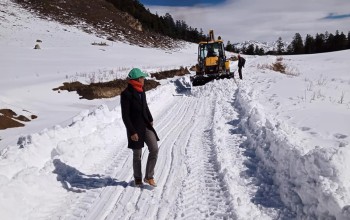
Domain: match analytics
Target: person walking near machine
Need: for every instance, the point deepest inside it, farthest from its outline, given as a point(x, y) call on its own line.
point(241, 62)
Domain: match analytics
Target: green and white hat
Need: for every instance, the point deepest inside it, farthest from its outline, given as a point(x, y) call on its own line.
point(136, 73)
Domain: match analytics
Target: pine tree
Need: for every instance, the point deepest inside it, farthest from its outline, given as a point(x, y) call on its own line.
point(309, 44)
point(280, 46)
point(256, 51)
point(250, 50)
point(297, 44)
point(330, 43)
point(228, 46)
point(160, 24)
point(320, 43)
point(342, 41)
point(261, 51)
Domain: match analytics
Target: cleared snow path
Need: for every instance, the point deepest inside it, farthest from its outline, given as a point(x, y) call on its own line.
point(199, 168)
point(220, 157)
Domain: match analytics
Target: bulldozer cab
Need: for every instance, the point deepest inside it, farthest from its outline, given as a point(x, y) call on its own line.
point(210, 50)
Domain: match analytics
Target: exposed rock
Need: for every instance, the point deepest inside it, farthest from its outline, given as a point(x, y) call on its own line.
point(22, 118)
point(9, 119)
point(7, 122)
point(37, 46)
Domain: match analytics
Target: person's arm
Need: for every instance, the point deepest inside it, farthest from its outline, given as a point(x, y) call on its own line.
point(149, 115)
point(125, 105)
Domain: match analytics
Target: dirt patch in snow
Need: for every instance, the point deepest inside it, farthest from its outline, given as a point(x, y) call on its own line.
point(114, 88)
point(101, 90)
point(10, 119)
point(170, 73)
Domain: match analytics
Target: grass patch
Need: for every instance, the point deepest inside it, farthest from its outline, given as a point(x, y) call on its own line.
point(115, 87)
point(279, 66)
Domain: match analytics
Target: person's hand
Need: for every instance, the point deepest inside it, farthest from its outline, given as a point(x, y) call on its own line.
point(134, 137)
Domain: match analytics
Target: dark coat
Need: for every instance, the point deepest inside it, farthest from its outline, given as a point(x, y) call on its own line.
point(241, 62)
point(136, 116)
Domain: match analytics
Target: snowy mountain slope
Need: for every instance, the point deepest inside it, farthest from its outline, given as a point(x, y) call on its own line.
point(66, 55)
point(261, 45)
point(273, 146)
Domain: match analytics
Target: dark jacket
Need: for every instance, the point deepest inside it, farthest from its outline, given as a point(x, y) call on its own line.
point(241, 62)
point(136, 116)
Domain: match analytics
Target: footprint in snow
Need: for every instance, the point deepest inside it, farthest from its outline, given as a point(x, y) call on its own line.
point(340, 136)
point(305, 128)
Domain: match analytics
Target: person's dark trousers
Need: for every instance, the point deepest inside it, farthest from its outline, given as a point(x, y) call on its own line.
point(151, 142)
point(240, 72)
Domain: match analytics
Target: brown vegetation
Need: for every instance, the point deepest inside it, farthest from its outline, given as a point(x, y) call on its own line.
point(9, 119)
point(115, 87)
point(99, 17)
point(170, 73)
point(102, 90)
point(278, 66)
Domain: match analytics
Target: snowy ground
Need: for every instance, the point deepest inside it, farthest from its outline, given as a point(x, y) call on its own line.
point(272, 146)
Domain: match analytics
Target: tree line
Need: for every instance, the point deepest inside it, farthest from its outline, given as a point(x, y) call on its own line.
point(326, 42)
point(164, 25)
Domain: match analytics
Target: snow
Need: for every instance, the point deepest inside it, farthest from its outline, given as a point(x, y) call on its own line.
point(270, 146)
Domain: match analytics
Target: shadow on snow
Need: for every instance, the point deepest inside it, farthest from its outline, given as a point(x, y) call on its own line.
point(75, 181)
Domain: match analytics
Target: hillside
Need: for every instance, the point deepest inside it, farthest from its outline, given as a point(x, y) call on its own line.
point(100, 18)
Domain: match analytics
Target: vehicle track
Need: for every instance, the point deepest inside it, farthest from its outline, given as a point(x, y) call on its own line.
point(190, 180)
point(168, 155)
point(93, 203)
point(204, 192)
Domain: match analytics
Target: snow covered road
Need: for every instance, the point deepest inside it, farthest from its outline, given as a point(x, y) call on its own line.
point(198, 167)
point(221, 157)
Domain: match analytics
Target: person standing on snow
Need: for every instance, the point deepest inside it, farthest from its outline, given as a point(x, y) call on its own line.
point(241, 62)
point(138, 121)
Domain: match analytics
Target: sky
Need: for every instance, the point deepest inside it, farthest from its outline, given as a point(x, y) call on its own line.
point(265, 21)
point(270, 146)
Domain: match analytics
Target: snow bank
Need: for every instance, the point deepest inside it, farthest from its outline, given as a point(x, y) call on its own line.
point(311, 185)
point(27, 171)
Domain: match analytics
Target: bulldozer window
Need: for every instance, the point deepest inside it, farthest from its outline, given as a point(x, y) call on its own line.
point(210, 49)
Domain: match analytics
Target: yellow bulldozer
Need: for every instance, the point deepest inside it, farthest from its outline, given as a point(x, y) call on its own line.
point(212, 63)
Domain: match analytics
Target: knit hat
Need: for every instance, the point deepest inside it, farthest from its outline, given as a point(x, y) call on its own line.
point(136, 73)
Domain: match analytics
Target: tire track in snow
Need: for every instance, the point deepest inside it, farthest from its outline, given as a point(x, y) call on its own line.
point(170, 176)
point(134, 203)
point(129, 192)
point(93, 203)
point(165, 158)
point(134, 200)
point(204, 191)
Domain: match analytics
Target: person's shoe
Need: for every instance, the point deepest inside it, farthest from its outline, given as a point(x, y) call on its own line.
point(138, 182)
point(151, 182)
